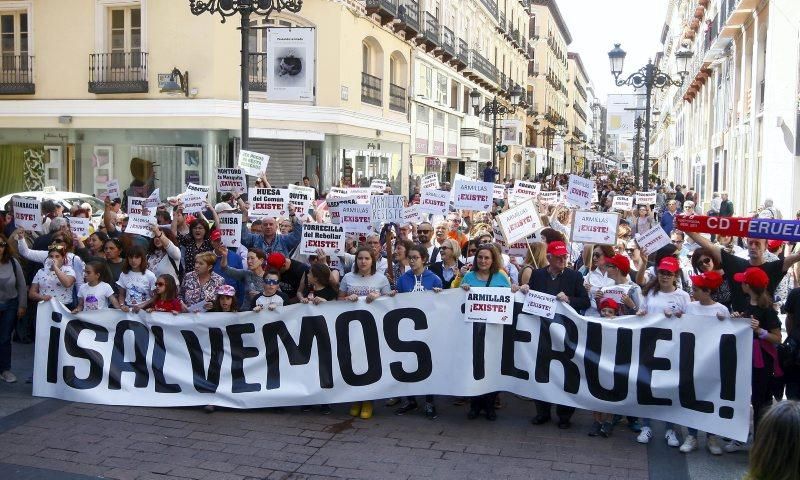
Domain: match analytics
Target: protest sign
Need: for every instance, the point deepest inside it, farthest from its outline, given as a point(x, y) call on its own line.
point(499, 192)
point(329, 238)
point(411, 214)
point(28, 214)
point(622, 203)
point(269, 203)
point(652, 240)
point(693, 372)
point(194, 202)
point(579, 191)
point(645, 198)
point(79, 227)
point(362, 195)
point(253, 163)
point(139, 224)
point(338, 192)
point(112, 190)
point(356, 218)
point(615, 292)
point(434, 201)
point(300, 200)
point(230, 227)
point(231, 180)
point(387, 208)
point(378, 185)
point(548, 197)
point(334, 207)
point(524, 190)
point(541, 304)
point(595, 227)
point(430, 180)
point(136, 206)
point(731, 226)
point(473, 195)
point(489, 305)
point(152, 202)
point(520, 221)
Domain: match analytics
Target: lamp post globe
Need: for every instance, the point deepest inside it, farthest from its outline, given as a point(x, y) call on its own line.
point(616, 59)
point(475, 99)
point(682, 58)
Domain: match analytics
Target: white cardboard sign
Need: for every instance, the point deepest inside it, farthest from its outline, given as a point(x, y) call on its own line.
point(524, 190)
point(645, 198)
point(411, 214)
point(269, 203)
point(334, 207)
point(329, 238)
point(616, 292)
point(430, 180)
point(595, 227)
point(549, 197)
point(112, 190)
point(434, 201)
point(387, 208)
point(362, 195)
point(300, 200)
point(194, 203)
point(28, 214)
point(519, 222)
point(622, 203)
point(653, 239)
point(253, 163)
point(499, 192)
point(230, 226)
point(579, 191)
point(231, 180)
point(473, 195)
point(489, 305)
point(140, 225)
point(79, 227)
point(541, 304)
point(356, 218)
point(378, 185)
point(136, 206)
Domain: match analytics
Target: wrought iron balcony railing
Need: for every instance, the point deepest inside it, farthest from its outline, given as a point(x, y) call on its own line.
point(397, 98)
point(118, 72)
point(258, 72)
point(371, 89)
point(16, 76)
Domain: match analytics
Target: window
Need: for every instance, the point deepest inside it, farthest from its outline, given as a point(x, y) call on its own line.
point(454, 86)
point(425, 81)
point(125, 37)
point(14, 40)
point(258, 36)
point(364, 58)
point(441, 88)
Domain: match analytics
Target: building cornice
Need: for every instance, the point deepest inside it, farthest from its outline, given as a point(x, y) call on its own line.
point(554, 10)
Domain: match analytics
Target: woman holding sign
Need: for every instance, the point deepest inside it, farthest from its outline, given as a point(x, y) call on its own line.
point(486, 272)
point(194, 238)
point(364, 282)
point(55, 280)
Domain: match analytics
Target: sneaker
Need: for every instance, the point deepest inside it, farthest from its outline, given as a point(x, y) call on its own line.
point(325, 409)
point(366, 410)
point(405, 408)
point(672, 438)
point(635, 426)
point(430, 411)
point(595, 430)
point(736, 446)
point(645, 435)
point(8, 377)
point(392, 402)
point(713, 444)
point(209, 409)
point(355, 409)
point(689, 445)
point(605, 429)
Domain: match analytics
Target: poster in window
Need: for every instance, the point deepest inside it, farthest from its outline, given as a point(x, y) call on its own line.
point(511, 132)
point(290, 60)
point(190, 164)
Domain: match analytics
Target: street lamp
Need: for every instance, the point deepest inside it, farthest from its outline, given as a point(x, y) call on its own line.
point(495, 108)
point(649, 77)
point(549, 134)
point(245, 8)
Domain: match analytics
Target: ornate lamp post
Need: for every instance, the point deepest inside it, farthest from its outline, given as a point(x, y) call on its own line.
point(649, 77)
point(495, 108)
point(549, 134)
point(244, 8)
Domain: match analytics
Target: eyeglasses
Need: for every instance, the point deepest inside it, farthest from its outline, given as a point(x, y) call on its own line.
point(414, 258)
point(666, 273)
point(161, 284)
point(3, 244)
point(270, 282)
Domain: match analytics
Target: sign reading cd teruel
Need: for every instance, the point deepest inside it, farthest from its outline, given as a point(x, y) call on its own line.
point(473, 195)
point(595, 227)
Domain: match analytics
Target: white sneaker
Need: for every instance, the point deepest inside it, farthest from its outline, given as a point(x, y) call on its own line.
point(8, 377)
point(713, 444)
point(672, 438)
point(736, 446)
point(645, 435)
point(689, 445)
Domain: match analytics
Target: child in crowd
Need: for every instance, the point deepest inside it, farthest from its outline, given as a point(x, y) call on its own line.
point(96, 292)
point(602, 425)
point(272, 298)
point(165, 299)
point(225, 300)
point(136, 283)
point(703, 287)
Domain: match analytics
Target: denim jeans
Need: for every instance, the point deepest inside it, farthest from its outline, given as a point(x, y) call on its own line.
point(693, 432)
point(8, 317)
point(667, 425)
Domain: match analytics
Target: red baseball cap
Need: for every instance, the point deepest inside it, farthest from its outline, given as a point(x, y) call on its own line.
point(557, 248)
point(608, 302)
point(622, 263)
point(753, 276)
point(774, 245)
point(276, 260)
point(215, 235)
point(669, 264)
point(710, 280)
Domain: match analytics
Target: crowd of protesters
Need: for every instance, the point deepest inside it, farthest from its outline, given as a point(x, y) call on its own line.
point(184, 267)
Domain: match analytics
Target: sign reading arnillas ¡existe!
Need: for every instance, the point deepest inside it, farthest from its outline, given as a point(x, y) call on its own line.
point(595, 227)
point(473, 195)
point(489, 305)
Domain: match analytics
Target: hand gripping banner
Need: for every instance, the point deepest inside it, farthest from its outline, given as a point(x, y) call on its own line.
point(694, 371)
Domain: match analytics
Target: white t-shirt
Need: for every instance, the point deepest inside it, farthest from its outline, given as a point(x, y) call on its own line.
point(264, 302)
point(95, 298)
point(677, 301)
point(712, 310)
point(138, 286)
point(49, 284)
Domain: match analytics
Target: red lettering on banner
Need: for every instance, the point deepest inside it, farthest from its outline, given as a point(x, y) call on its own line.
point(487, 307)
point(473, 197)
point(580, 193)
point(732, 226)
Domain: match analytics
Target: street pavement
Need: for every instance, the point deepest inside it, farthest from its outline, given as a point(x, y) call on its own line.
point(57, 440)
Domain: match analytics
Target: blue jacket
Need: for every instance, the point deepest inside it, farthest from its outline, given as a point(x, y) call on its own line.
point(668, 221)
point(282, 244)
point(407, 281)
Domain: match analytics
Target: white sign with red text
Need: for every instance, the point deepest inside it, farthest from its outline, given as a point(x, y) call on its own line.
point(411, 214)
point(499, 192)
point(329, 238)
point(230, 226)
point(334, 207)
point(434, 201)
point(520, 221)
point(653, 240)
point(28, 214)
point(269, 203)
point(579, 191)
point(112, 190)
point(645, 198)
point(79, 227)
point(430, 180)
point(549, 197)
point(140, 225)
point(356, 218)
point(231, 180)
point(541, 304)
point(473, 195)
point(525, 190)
point(595, 227)
point(300, 200)
point(622, 203)
point(136, 206)
point(489, 305)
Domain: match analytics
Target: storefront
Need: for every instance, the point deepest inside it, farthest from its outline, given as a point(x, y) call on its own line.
point(353, 161)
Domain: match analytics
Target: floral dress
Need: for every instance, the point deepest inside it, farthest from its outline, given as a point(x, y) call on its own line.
point(191, 249)
point(192, 292)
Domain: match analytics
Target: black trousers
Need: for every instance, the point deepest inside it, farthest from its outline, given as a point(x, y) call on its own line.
point(543, 408)
point(483, 402)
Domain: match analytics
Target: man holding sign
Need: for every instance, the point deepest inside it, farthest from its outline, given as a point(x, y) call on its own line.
point(270, 240)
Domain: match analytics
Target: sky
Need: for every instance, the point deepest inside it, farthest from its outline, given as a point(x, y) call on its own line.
point(596, 25)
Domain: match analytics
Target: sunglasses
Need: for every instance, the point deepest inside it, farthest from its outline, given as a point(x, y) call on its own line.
point(161, 284)
point(706, 261)
point(3, 244)
point(270, 282)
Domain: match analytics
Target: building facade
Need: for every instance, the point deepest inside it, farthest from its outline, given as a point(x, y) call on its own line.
point(578, 113)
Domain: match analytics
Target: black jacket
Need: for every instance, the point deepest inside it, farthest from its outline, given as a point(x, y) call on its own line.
point(437, 269)
point(569, 281)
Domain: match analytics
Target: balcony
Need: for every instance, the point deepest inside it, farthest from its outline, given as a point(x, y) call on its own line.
point(118, 72)
point(533, 32)
point(257, 73)
point(430, 32)
point(397, 98)
point(385, 9)
point(408, 16)
point(371, 89)
point(461, 59)
point(484, 67)
point(533, 68)
point(16, 76)
point(490, 5)
point(501, 23)
point(448, 49)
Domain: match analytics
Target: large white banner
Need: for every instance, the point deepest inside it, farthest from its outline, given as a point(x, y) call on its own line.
point(290, 64)
point(694, 371)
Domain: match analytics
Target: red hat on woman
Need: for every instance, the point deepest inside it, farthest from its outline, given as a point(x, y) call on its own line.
point(608, 302)
point(669, 264)
point(754, 277)
point(621, 262)
point(711, 280)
